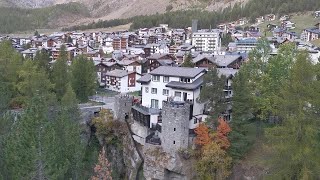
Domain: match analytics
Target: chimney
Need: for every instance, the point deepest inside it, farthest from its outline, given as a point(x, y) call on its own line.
point(194, 25)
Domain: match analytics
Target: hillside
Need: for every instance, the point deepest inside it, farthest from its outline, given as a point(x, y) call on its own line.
point(112, 9)
point(141, 13)
point(15, 19)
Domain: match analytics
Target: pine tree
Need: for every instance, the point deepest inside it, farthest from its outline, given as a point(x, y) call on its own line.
point(65, 147)
point(33, 81)
point(212, 93)
point(24, 155)
point(242, 115)
point(214, 163)
point(60, 76)
point(42, 58)
point(298, 133)
point(188, 61)
point(10, 62)
point(83, 78)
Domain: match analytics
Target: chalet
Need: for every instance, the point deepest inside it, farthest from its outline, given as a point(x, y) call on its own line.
point(272, 26)
point(150, 49)
point(288, 25)
point(122, 81)
point(254, 29)
point(278, 32)
point(29, 53)
point(156, 60)
point(260, 19)
point(218, 61)
point(311, 34)
point(246, 44)
point(56, 52)
point(270, 17)
point(317, 14)
point(102, 67)
point(130, 65)
point(284, 18)
point(290, 35)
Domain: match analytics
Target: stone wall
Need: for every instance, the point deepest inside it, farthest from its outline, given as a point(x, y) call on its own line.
point(175, 126)
point(122, 106)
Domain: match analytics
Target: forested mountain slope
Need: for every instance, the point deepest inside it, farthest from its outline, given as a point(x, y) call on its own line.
point(142, 13)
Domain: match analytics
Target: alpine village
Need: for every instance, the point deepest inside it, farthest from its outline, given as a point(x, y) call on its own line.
point(160, 90)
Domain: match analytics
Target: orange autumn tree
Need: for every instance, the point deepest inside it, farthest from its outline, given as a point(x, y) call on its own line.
point(203, 137)
point(221, 136)
point(102, 168)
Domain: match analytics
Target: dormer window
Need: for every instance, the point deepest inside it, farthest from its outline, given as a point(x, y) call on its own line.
point(156, 78)
point(185, 80)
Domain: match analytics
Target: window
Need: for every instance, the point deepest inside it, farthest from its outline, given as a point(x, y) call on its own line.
point(154, 90)
point(165, 92)
point(147, 89)
point(174, 142)
point(165, 79)
point(185, 80)
point(154, 103)
point(174, 129)
point(155, 78)
point(177, 94)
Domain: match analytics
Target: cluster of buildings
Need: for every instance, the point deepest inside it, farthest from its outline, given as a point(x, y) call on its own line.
point(149, 60)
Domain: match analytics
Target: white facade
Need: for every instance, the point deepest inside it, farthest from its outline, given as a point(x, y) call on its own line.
point(155, 92)
point(207, 41)
point(121, 84)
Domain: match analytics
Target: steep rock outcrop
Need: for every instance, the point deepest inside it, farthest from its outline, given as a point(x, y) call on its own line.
point(160, 165)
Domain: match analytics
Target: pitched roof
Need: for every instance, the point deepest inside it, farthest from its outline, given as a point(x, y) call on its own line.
point(118, 73)
point(157, 56)
point(225, 60)
point(188, 86)
point(145, 79)
point(177, 71)
point(227, 71)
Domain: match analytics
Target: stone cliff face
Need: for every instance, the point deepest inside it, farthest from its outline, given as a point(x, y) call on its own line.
point(160, 165)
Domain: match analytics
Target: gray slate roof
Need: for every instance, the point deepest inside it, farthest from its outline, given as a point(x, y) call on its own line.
point(118, 73)
point(187, 86)
point(227, 71)
point(145, 79)
point(177, 71)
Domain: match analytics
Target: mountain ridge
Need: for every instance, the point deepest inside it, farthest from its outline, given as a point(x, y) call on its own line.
point(114, 9)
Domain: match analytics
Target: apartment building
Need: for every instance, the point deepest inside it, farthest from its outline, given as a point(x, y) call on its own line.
point(208, 41)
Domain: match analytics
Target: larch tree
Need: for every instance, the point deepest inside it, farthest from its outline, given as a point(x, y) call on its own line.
point(295, 141)
point(221, 135)
point(32, 82)
point(24, 149)
point(65, 147)
point(60, 76)
point(214, 164)
point(10, 63)
point(83, 78)
point(203, 137)
point(102, 169)
point(43, 59)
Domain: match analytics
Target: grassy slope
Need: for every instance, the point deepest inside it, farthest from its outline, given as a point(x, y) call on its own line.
point(15, 19)
point(302, 20)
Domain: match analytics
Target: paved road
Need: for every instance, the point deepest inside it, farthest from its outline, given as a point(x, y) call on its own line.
point(107, 100)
